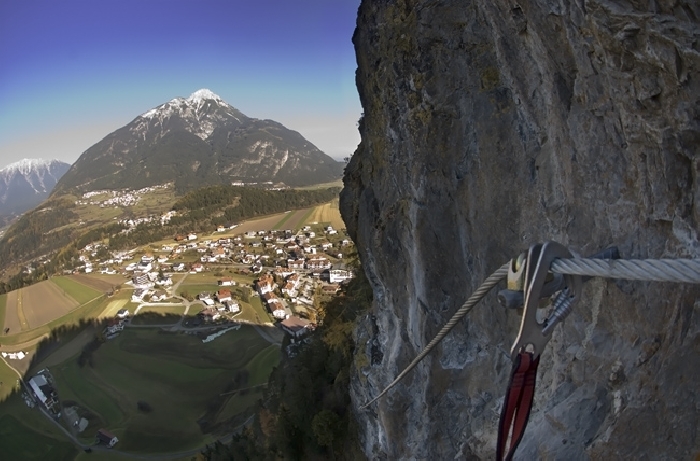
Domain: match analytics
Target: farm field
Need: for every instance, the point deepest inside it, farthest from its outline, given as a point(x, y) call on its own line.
point(44, 302)
point(76, 290)
point(297, 219)
point(12, 322)
point(37, 305)
point(67, 350)
point(86, 311)
point(115, 304)
point(327, 185)
point(327, 214)
point(193, 289)
point(99, 282)
point(266, 223)
point(178, 376)
point(290, 219)
point(3, 303)
point(72, 299)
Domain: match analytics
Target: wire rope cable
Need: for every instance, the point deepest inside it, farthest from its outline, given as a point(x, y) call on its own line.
point(650, 270)
point(490, 282)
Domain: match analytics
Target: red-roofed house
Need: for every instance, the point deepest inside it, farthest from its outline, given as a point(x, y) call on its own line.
point(223, 295)
point(105, 437)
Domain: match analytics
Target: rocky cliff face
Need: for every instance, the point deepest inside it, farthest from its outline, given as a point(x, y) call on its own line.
point(490, 125)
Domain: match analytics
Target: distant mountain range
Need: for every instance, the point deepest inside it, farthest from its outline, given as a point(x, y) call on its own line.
point(198, 141)
point(27, 183)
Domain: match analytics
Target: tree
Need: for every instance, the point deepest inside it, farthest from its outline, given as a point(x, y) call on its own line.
point(325, 426)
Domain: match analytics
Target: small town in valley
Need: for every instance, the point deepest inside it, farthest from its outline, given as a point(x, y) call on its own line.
point(203, 286)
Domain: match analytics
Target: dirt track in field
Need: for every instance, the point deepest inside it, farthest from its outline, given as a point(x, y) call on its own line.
point(102, 283)
point(259, 224)
point(327, 213)
point(11, 319)
point(295, 222)
point(45, 302)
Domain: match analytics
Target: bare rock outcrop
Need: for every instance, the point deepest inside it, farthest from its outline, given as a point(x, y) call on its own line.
point(490, 125)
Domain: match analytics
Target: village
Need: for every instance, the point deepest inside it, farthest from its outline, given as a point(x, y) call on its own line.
point(289, 271)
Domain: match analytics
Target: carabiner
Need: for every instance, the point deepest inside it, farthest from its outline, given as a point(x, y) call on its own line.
point(531, 337)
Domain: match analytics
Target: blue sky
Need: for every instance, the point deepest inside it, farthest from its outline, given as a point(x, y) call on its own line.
point(74, 71)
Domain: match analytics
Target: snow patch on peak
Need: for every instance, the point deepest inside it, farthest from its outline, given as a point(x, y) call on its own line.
point(26, 165)
point(201, 95)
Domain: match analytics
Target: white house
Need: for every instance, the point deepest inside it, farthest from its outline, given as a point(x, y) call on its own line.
point(138, 295)
point(337, 276)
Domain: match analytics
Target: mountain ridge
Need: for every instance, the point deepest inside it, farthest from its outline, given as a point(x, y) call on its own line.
point(26, 183)
point(196, 141)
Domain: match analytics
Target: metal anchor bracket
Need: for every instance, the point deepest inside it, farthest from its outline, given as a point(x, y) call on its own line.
point(531, 337)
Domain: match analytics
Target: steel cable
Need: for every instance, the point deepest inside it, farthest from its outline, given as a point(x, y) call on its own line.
point(490, 282)
point(650, 270)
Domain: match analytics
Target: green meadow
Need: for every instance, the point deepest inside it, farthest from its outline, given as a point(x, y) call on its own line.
point(180, 379)
point(28, 435)
point(78, 291)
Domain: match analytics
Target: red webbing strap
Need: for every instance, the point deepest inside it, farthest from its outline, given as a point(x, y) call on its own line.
point(517, 405)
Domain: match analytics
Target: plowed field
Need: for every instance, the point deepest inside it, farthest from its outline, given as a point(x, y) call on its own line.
point(102, 283)
point(326, 214)
point(260, 224)
point(11, 319)
point(44, 302)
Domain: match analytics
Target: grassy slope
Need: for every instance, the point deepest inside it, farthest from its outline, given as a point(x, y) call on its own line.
point(178, 375)
point(8, 378)
point(81, 293)
point(27, 435)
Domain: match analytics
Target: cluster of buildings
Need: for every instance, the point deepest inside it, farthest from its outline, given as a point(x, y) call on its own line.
point(117, 197)
point(218, 303)
point(290, 265)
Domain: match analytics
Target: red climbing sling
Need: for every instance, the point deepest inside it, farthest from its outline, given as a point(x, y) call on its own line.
point(536, 282)
point(517, 405)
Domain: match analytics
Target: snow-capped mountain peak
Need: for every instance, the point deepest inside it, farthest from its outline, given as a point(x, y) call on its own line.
point(26, 165)
point(181, 105)
point(26, 183)
point(201, 95)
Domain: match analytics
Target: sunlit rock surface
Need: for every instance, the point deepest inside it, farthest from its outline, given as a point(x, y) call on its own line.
point(490, 125)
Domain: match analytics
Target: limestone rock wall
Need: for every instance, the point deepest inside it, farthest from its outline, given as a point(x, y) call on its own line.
point(490, 125)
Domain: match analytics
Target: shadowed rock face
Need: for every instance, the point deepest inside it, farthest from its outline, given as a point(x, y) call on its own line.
point(488, 126)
